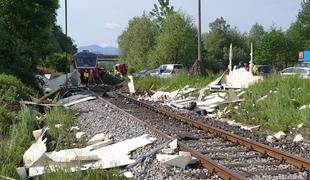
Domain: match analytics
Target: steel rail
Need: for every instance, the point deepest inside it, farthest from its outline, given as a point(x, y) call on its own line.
point(209, 164)
point(301, 163)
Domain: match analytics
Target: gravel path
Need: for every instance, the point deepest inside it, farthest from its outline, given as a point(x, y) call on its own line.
point(98, 117)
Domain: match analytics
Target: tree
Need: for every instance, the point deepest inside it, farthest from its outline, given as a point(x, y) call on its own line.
point(256, 33)
point(62, 42)
point(28, 25)
point(137, 40)
point(273, 49)
point(176, 42)
point(162, 11)
point(304, 21)
point(217, 42)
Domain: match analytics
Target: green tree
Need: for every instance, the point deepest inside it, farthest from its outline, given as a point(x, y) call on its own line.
point(137, 41)
point(26, 27)
point(217, 42)
point(163, 10)
point(256, 33)
point(62, 42)
point(273, 49)
point(304, 21)
point(177, 41)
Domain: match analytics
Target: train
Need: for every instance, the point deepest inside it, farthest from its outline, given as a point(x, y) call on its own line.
point(86, 61)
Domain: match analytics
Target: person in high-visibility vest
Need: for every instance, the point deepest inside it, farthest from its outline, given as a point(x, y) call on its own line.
point(86, 77)
point(255, 70)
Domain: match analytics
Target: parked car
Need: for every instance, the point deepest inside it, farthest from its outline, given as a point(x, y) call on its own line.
point(301, 72)
point(176, 67)
point(168, 73)
point(265, 70)
point(142, 73)
point(154, 72)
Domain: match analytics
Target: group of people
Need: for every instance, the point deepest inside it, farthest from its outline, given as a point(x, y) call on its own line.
point(247, 67)
point(87, 77)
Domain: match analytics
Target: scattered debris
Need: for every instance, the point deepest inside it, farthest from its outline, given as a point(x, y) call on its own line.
point(264, 97)
point(58, 126)
point(69, 155)
point(74, 129)
point(298, 138)
point(128, 175)
point(108, 157)
point(75, 99)
point(22, 172)
point(35, 152)
point(279, 135)
point(37, 133)
point(181, 160)
point(270, 139)
point(300, 125)
point(304, 107)
point(131, 85)
point(80, 135)
point(99, 138)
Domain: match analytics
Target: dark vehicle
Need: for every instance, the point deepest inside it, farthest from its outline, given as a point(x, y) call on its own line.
point(265, 70)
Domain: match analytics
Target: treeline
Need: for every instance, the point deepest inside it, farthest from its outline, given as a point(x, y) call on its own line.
point(29, 37)
point(168, 36)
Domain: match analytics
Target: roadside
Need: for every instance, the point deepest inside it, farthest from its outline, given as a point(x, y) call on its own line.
point(275, 104)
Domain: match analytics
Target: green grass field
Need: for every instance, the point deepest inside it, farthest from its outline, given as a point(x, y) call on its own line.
point(280, 109)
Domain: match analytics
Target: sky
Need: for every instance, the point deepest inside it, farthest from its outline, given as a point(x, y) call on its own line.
point(102, 21)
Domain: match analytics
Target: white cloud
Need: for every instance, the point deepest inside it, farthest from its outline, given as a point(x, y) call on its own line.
point(112, 25)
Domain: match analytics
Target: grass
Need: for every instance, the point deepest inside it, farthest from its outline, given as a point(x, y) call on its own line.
point(13, 147)
point(85, 175)
point(145, 84)
point(280, 110)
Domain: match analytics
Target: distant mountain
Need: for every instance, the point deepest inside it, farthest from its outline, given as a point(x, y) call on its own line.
point(100, 50)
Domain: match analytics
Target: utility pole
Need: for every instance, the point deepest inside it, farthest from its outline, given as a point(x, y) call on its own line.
point(66, 43)
point(199, 31)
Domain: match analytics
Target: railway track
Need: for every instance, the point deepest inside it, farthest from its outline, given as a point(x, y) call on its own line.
point(222, 153)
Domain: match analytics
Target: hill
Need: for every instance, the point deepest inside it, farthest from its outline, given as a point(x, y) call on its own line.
point(100, 50)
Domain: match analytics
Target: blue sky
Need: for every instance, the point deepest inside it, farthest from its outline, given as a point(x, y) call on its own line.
point(102, 21)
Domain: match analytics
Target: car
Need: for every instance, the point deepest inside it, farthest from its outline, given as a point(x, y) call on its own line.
point(301, 72)
point(168, 73)
point(154, 72)
point(265, 70)
point(142, 73)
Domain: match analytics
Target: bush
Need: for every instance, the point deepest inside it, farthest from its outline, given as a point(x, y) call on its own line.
point(7, 119)
point(12, 90)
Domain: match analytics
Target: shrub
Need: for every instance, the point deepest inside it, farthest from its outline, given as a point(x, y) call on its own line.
point(12, 90)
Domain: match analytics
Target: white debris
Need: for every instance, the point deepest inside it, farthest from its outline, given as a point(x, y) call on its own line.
point(168, 151)
point(128, 175)
point(131, 85)
point(35, 152)
point(269, 139)
point(21, 171)
point(279, 135)
point(37, 133)
point(264, 97)
point(100, 145)
point(98, 138)
point(80, 135)
point(69, 155)
point(74, 129)
point(298, 138)
point(304, 107)
point(111, 156)
point(79, 101)
point(248, 128)
point(180, 160)
point(300, 125)
point(173, 144)
point(58, 126)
